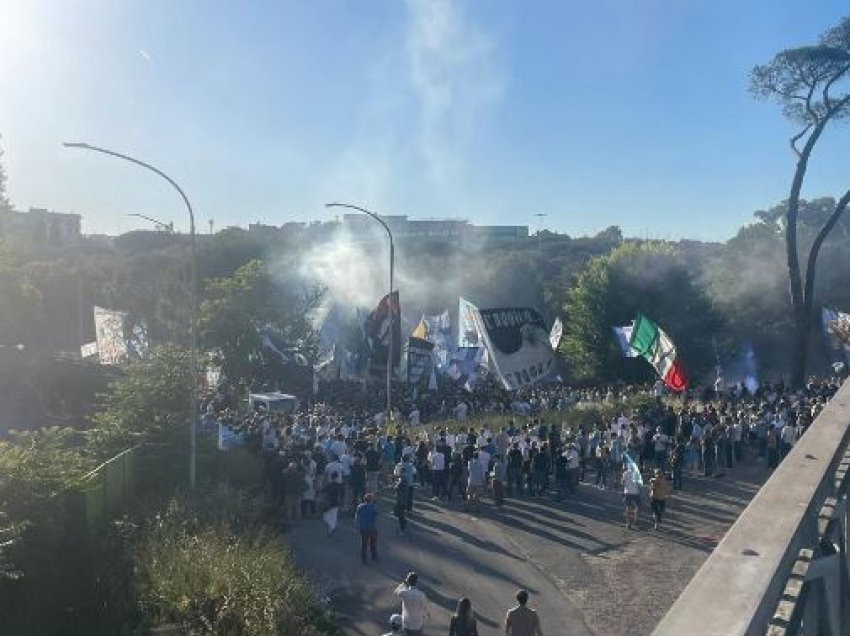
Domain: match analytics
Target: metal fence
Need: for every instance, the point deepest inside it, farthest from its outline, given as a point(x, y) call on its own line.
point(106, 491)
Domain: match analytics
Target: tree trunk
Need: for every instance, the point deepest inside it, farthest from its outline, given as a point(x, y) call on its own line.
point(798, 299)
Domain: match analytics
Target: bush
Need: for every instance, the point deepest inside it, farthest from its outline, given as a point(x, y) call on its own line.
point(202, 568)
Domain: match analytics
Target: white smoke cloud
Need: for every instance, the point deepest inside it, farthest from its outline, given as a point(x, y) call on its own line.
point(454, 77)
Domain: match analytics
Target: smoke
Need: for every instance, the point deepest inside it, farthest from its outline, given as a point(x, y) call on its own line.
point(454, 78)
point(353, 267)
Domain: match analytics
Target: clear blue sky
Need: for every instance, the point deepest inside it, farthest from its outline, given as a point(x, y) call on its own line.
point(609, 112)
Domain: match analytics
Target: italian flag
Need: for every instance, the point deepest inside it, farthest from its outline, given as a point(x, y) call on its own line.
point(651, 343)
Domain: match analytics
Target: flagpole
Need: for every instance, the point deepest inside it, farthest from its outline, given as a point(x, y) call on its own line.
point(392, 312)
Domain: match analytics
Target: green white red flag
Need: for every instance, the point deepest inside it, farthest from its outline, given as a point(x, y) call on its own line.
point(650, 342)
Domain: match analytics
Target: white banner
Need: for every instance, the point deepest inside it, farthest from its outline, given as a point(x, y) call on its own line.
point(518, 344)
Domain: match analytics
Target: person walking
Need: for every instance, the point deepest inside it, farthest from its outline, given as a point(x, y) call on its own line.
point(333, 496)
point(414, 605)
point(463, 623)
point(366, 517)
point(659, 490)
point(400, 509)
point(521, 620)
point(631, 496)
point(499, 475)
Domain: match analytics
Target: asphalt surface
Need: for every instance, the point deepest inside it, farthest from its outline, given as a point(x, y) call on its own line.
point(585, 571)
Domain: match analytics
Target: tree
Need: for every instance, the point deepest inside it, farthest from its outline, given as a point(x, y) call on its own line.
point(806, 82)
point(237, 307)
point(649, 277)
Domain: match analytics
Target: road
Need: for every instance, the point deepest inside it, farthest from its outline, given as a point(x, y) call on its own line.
point(586, 573)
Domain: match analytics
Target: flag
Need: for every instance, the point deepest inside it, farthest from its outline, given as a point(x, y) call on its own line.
point(517, 344)
point(438, 330)
point(420, 362)
point(836, 329)
point(468, 334)
point(383, 330)
point(556, 333)
point(88, 350)
point(464, 365)
point(656, 347)
point(109, 332)
point(624, 335)
point(632, 467)
point(421, 330)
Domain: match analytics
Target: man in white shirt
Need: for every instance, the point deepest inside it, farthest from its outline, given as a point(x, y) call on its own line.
point(414, 417)
point(437, 460)
point(631, 494)
point(414, 606)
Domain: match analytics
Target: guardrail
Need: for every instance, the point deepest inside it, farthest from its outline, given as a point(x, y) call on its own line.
point(782, 568)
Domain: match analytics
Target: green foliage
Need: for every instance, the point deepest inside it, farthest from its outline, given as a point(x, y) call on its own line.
point(196, 571)
point(19, 301)
point(238, 305)
point(650, 277)
point(149, 402)
point(36, 466)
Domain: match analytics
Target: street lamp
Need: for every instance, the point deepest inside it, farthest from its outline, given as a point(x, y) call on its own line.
point(392, 313)
point(193, 295)
point(159, 225)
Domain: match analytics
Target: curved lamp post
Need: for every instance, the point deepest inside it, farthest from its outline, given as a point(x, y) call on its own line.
point(193, 295)
point(392, 314)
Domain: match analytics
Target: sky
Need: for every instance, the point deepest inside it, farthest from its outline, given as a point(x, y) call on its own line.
point(595, 113)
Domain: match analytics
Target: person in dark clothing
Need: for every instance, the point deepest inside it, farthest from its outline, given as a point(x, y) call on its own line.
point(561, 475)
point(373, 468)
point(367, 522)
point(456, 477)
point(400, 508)
point(515, 470)
point(677, 462)
point(358, 481)
point(540, 470)
point(527, 472)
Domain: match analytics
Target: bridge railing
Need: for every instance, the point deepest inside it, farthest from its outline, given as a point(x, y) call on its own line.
point(782, 568)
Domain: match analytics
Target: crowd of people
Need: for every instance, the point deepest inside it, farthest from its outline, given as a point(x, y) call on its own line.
point(334, 458)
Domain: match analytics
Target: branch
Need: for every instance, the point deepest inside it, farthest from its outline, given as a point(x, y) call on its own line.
point(797, 138)
point(816, 245)
point(809, 108)
point(829, 84)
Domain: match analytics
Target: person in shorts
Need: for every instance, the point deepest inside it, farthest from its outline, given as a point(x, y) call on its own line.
point(631, 496)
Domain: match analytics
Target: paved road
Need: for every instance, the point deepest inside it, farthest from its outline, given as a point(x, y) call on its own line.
point(587, 574)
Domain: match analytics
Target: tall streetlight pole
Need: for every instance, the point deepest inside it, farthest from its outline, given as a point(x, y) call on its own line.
point(392, 313)
point(193, 296)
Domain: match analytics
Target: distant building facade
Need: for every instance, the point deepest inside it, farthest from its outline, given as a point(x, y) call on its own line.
point(448, 230)
point(42, 227)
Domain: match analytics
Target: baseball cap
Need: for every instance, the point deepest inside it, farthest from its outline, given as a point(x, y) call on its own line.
point(395, 620)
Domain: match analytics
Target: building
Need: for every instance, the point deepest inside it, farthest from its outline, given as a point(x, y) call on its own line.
point(42, 227)
point(360, 226)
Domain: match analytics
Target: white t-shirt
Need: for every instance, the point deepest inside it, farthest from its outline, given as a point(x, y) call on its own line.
point(630, 485)
point(414, 417)
point(789, 434)
point(437, 459)
point(414, 607)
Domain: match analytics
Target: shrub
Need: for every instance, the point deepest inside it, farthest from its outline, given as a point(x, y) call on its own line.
point(198, 569)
